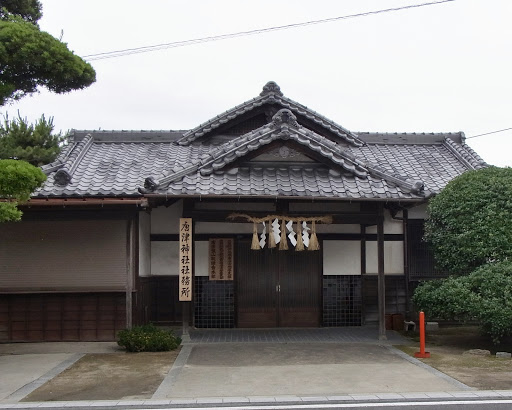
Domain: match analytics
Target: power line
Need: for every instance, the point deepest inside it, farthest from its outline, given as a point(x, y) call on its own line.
point(156, 47)
point(488, 133)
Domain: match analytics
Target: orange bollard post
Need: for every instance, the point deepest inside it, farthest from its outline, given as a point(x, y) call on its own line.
point(422, 354)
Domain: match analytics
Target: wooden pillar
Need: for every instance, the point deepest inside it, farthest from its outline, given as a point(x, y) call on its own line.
point(186, 320)
point(380, 270)
point(405, 218)
point(362, 229)
point(130, 255)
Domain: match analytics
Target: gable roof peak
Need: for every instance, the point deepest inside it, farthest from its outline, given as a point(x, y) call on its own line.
point(271, 95)
point(271, 88)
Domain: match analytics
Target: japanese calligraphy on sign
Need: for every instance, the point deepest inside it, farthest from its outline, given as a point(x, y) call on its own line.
point(220, 259)
point(185, 277)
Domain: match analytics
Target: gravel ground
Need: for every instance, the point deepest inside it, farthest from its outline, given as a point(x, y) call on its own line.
point(481, 372)
point(108, 376)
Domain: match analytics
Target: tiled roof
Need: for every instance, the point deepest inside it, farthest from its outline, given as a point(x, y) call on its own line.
point(284, 126)
point(271, 94)
point(379, 166)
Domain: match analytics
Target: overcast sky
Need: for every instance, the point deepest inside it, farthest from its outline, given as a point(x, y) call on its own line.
point(445, 67)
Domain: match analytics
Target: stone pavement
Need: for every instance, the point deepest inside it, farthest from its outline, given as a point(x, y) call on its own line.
point(356, 334)
point(239, 366)
point(277, 369)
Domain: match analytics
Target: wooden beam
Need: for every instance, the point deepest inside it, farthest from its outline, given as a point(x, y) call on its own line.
point(363, 272)
point(405, 228)
point(381, 277)
point(222, 216)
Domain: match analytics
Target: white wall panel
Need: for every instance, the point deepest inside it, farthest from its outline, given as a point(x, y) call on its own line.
point(166, 220)
point(235, 206)
point(165, 258)
point(391, 226)
point(201, 258)
point(324, 207)
point(144, 244)
point(393, 257)
point(342, 257)
point(224, 227)
point(418, 212)
point(337, 228)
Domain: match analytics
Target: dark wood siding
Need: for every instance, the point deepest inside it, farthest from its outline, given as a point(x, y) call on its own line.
point(396, 301)
point(159, 300)
point(256, 291)
point(278, 288)
point(62, 317)
point(419, 254)
point(300, 288)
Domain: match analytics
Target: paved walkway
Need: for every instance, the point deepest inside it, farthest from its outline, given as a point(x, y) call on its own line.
point(239, 366)
point(364, 400)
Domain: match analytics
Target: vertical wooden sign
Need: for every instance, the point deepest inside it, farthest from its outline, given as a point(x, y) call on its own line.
point(220, 257)
point(185, 277)
point(212, 256)
point(229, 259)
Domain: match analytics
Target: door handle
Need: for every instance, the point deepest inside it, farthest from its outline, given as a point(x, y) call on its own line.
point(278, 288)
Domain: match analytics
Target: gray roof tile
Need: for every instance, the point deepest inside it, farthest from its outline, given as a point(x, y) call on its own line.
point(371, 166)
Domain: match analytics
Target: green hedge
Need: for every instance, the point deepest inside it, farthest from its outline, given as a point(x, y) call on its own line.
point(484, 295)
point(147, 338)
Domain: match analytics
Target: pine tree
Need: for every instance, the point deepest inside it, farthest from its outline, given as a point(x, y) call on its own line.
point(31, 58)
point(33, 143)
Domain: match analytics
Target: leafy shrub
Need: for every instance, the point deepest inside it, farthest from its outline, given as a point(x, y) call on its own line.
point(484, 295)
point(147, 338)
point(470, 220)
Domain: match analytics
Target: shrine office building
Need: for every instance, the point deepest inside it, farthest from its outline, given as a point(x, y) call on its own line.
point(267, 215)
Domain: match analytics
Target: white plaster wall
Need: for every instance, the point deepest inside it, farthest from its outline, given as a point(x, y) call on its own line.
point(224, 227)
point(165, 258)
point(144, 244)
point(237, 206)
point(418, 212)
point(393, 257)
point(324, 207)
point(391, 226)
point(201, 258)
point(166, 220)
point(337, 228)
point(342, 257)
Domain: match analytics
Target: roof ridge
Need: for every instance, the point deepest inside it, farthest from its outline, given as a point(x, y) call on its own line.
point(465, 154)
point(284, 126)
point(63, 176)
point(271, 93)
point(411, 133)
point(203, 128)
point(59, 162)
point(324, 121)
point(123, 131)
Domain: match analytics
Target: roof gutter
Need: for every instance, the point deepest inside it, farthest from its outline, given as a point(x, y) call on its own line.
point(142, 202)
point(279, 197)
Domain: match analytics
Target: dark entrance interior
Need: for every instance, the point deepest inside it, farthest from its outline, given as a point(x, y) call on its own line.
point(278, 288)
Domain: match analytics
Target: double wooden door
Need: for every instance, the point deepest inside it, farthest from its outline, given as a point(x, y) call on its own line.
point(278, 288)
